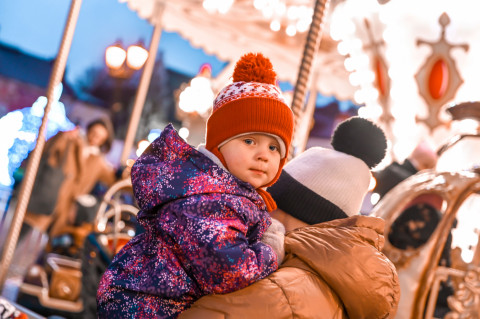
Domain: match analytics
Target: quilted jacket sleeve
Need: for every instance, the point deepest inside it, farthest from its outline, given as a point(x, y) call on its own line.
point(289, 292)
point(348, 257)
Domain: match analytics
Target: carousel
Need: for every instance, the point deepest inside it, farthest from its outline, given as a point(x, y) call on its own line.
point(412, 69)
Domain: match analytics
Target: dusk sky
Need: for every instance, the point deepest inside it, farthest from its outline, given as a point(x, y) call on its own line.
point(36, 27)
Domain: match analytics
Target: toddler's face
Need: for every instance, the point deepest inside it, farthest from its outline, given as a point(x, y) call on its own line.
point(253, 158)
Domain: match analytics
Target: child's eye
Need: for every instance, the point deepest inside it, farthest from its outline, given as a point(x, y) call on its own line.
point(248, 141)
point(273, 148)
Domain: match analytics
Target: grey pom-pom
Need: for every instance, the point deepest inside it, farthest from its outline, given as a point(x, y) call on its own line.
point(361, 138)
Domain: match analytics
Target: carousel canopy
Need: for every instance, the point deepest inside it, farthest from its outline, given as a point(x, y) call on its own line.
point(229, 29)
point(404, 66)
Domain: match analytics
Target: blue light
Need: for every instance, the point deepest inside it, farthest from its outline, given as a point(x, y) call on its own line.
point(19, 131)
point(153, 135)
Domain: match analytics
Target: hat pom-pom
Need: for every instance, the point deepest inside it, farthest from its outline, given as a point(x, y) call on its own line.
point(254, 67)
point(361, 138)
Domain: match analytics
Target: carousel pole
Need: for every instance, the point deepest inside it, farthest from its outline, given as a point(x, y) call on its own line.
point(143, 85)
point(33, 163)
point(312, 46)
point(304, 123)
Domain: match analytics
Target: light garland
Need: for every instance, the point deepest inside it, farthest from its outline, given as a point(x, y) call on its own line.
point(220, 6)
point(293, 17)
point(395, 29)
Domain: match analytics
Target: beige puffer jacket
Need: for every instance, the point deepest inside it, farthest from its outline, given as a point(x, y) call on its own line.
point(331, 270)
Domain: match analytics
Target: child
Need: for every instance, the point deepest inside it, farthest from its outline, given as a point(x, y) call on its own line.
point(204, 210)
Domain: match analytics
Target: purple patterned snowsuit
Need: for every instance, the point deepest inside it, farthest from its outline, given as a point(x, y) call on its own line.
point(203, 227)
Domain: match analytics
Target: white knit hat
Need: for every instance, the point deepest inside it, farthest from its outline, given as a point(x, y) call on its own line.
point(323, 184)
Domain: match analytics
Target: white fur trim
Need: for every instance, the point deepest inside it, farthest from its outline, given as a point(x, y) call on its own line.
point(275, 238)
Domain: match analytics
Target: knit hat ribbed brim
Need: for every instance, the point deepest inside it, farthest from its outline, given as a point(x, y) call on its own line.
point(253, 114)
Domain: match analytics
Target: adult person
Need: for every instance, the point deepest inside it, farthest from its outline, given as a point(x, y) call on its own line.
point(333, 266)
point(422, 157)
point(418, 221)
point(420, 218)
point(82, 159)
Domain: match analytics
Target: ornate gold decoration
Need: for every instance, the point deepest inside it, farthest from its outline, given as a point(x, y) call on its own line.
point(417, 267)
point(465, 303)
point(382, 79)
point(438, 79)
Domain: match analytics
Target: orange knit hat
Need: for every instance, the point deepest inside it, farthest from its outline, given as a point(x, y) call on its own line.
point(251, 104)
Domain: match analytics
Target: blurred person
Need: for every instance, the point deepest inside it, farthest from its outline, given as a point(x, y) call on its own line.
point(80, 156)
point(422, 157)
point(417, 222)
point(205, 211)
point(333, 266)
point(419, 219)
point(84, 165)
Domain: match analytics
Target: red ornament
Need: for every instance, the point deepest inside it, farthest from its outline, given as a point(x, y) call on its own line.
point(438, 79)
point(381, 76)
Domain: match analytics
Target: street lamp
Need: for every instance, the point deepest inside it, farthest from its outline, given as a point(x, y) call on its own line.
point(122, 64)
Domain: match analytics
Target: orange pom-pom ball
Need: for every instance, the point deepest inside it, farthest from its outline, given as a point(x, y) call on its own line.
point(254, 67)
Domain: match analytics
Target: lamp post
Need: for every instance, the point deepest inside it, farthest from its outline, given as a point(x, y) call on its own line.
point(122, 64)
point(194, 105)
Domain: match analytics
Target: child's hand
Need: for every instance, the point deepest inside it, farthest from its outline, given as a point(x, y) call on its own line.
point(275, 238)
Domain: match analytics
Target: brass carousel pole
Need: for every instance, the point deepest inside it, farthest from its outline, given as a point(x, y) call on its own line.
point(312, 46)
point(33, 163)
point(143, 85)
